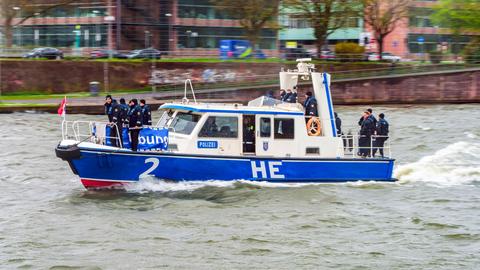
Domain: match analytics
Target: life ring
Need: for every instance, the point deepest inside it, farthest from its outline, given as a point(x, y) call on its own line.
point(314, 127)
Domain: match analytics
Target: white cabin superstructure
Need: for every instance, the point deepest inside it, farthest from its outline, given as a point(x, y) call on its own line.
point(279, 129)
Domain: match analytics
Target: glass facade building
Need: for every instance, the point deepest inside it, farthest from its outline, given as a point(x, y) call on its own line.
point(167, 25)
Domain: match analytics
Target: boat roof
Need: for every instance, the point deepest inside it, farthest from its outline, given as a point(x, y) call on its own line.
point(276, 109)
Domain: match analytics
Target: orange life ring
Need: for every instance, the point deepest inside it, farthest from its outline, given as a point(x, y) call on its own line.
point(314, 127)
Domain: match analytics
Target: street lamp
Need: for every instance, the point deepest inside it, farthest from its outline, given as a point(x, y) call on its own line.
point(170, 25)
point(147, 39)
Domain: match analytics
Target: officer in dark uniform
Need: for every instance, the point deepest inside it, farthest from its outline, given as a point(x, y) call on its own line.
point(338, 124)
point(293, 96)
point(286, 97)
point(134, 121)
point(382, 132)
point(109, 107)
point(248, 135)
point(364, 141)
point(146, 113)
point(311, 107)
point(117, 125)
point(125, 109)
point(282, 94)
point(371, 117)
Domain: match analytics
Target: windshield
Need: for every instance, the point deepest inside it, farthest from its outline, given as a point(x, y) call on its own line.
point(184, 123)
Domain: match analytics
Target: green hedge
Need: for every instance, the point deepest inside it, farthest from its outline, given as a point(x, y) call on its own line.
point(349, 51)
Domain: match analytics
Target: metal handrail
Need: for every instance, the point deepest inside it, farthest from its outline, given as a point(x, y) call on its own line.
point(353, 149)
point(75, 127)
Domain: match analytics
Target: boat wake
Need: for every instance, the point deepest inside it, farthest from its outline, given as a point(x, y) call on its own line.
point(456, 164)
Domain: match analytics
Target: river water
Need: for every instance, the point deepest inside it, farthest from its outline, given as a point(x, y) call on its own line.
point(430, 219)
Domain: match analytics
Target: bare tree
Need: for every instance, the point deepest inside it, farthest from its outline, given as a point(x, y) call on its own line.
point(16, 12)
point(254, 15)
point(383, 17)
point(325, 16)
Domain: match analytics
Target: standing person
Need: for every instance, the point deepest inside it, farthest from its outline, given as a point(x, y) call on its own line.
point(382, 131)
point(364, 142)
point(146, 113)
point(372, 117)
point(311, 108)
point(117, 125)
point(109, 108)
point(287, 95)
point(282, 94)
point(338, 124)
point(134, 121)
point(293, 96)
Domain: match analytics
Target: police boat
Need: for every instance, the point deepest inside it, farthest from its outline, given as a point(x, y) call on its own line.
point(266, 140)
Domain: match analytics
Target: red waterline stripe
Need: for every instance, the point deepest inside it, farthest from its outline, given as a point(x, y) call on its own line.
point(101, 184)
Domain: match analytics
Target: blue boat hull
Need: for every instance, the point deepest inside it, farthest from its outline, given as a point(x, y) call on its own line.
point(100, 168)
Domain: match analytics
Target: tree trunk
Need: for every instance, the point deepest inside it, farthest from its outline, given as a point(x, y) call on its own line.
point(380, 48)
point(8, 30)
point(320, 42)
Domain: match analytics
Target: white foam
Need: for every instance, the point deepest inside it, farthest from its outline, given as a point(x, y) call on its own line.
point(152, 184)
point(471, 135)
point(456, 164)
point(424, 128)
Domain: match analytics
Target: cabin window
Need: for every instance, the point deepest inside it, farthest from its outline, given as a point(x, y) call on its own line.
point(284, 128)
point(184, 123)
point(220, 127)
point(265, 127)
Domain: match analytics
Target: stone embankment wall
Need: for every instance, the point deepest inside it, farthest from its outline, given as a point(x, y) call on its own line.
point(446, 87)
point(74, 76)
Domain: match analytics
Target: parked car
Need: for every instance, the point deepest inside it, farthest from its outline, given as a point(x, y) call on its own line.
point(149, 53)
point(385, 56)
point(102, 54)
point(327, 55)
point(49, 53)
point(296, 53)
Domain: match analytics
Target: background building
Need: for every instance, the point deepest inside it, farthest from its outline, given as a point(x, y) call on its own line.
point(417, 34)
point(168, 25)
point(295, 28)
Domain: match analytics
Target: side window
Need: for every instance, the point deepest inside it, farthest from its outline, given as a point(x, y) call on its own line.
point(265, 127)
point(184, 123)
point(284, 128)
point(220, 127)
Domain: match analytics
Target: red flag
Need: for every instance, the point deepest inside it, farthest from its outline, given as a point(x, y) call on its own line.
point(62, 108)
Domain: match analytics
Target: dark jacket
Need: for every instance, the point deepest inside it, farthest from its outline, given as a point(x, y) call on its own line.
point(109, 110)
point(382, 127)
point(292, 98)
point(286, 97)
point(338, 123)
point(311, 107)
point(124, 112)
point(146, 115)
point(134, 118)
point(117, 118)
point(367, 127)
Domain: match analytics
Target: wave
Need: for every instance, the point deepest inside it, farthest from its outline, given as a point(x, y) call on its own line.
point(456, 164)
point(152, 184)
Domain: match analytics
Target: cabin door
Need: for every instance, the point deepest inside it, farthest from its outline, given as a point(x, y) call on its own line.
point(264, 135)
point(248, 140)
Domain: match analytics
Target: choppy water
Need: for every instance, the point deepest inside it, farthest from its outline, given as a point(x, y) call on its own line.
point(429, 220)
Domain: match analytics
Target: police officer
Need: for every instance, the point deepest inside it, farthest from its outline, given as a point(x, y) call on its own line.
point(117, 124)
point(124, 112)
point(293, 96)
point(286, 97)
point(146, 113)
point(134, 121)
point(338, 124)
point(372, 117)
point(282, 94)
point(248, 136)
point(311, 107)
point(364, 142)
point(109, 107)
point(382, 132)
